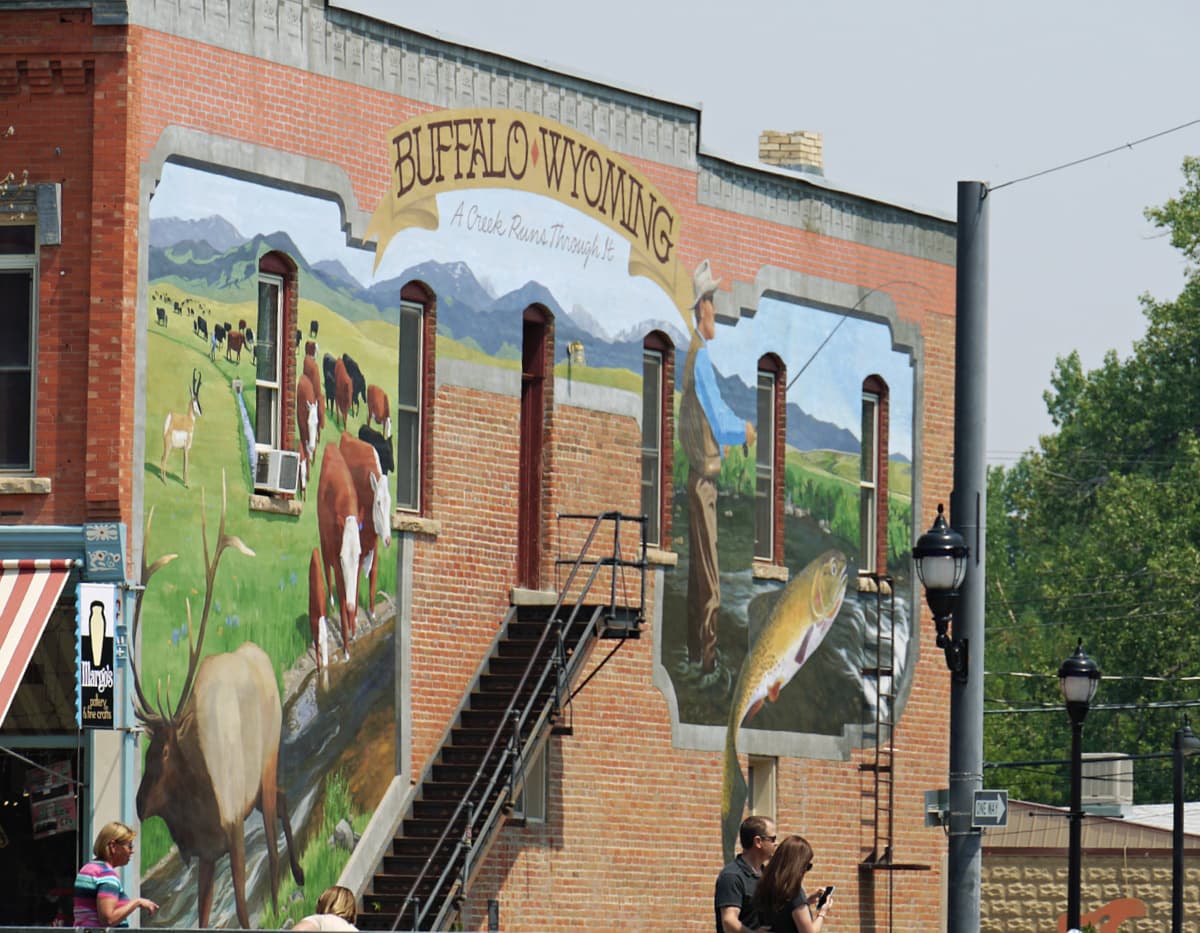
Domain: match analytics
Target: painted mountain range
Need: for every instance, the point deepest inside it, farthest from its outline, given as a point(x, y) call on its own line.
point(210, 258)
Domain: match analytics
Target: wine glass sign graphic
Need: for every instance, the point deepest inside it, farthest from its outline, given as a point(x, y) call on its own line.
point(97, 627)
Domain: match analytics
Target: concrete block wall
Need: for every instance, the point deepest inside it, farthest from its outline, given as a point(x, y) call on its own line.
point(1027, 893)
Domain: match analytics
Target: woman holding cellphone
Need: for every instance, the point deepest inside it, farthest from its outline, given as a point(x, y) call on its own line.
point(783, 904)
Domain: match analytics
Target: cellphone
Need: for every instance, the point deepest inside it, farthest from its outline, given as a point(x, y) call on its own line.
point(825, 895)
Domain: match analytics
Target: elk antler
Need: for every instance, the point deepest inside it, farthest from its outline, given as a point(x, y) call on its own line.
point(141, 704)
point(210, 575)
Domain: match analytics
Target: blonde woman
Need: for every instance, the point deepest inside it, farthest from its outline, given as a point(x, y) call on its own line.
point(100, 900)
point(337, 909)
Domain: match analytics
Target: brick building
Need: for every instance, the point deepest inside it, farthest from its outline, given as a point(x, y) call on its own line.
point(449, 527)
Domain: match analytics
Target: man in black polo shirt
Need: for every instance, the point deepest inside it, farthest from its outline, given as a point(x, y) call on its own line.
point(734, 896)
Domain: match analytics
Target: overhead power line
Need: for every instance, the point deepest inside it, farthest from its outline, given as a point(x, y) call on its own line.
point(1098, 155)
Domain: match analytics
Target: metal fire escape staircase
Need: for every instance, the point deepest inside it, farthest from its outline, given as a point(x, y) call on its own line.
point(879, 796)
point(515, 702)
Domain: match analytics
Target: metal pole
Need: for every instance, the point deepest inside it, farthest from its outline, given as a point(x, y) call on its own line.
point(1074, 852)
point(1177, 837)
point(968, 507)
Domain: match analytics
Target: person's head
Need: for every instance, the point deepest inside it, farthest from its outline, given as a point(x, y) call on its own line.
point(340, 901)
point(705, 286)
point(757, 836)
point(784, 874)
point(114, 844)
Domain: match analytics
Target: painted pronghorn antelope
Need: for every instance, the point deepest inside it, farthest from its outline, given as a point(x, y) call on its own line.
point(178, 430)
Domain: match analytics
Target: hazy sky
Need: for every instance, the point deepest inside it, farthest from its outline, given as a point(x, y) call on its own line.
point(913, 96)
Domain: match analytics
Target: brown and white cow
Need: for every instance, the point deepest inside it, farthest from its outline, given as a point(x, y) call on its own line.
point(343, 391)
point(234, 342)
point(341, 550)
point(374, 508)
point(316, 610)
point(314, 376)
point(378, 409)
point(308, 421)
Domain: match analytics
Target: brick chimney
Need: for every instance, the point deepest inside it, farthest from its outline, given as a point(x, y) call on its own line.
point(800, 151)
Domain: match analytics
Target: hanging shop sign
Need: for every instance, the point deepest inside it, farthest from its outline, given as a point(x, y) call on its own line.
point(95, 703)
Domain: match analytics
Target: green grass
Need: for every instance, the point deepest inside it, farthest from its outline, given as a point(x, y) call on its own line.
point(261, 598)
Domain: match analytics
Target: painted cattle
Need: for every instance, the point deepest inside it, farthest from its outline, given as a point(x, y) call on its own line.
point(343, 391)
point(374, 509)
point(329, 370)
point(383, 447)
point(308, 416)
point(341, 550)
point(378, 409)
point(310, 370)
point(357, 380)
point(234, 341)
point(316, 610)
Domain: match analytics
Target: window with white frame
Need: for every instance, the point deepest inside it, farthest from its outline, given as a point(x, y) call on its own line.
point(268, 360)
point(18, 349)
point(652, 432)
point(530, 804)
point(768, 457)
point(871, 483)
point(763, 775)
point(409, 405)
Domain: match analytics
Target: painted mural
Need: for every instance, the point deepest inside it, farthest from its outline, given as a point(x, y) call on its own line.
point(272, 633)
point(266, 638)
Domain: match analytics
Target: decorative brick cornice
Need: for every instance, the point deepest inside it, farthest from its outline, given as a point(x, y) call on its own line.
point(45, 76)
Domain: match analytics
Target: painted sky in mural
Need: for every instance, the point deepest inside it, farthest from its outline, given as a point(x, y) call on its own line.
point(477, 228)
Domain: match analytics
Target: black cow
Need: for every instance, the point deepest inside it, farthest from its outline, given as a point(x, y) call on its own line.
point(249, 336)
point(312, 329)
point(328, 365)
point(359, 381)
point(200, 327)
point(162, 316)
point(298, 338)
point(382, 446)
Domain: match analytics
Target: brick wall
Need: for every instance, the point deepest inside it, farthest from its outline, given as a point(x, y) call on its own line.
point(633, 832)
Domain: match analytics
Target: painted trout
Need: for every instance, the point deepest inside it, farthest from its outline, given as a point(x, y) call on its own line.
point(793, 631)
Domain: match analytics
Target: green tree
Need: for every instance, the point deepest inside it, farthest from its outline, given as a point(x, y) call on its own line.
point(1096, 535)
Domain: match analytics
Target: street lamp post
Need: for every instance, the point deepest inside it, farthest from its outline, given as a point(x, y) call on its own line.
point(1186, 745)
point(1078, 676)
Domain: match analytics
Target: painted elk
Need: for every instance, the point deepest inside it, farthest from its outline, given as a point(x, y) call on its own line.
point(341, 548)
point(378, 409)
point(308, 426)
point(214, 757)
point(179, 429)
point(374, 510)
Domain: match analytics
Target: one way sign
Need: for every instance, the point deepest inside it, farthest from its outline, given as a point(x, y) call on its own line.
point(990, 809)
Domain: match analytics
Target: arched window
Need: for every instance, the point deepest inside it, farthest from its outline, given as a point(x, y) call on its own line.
point(414, 392)
point(657, 374)
point(873, 477)
point(276, 304)
point(769, 459)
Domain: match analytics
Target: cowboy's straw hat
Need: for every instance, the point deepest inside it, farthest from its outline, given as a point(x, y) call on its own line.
point(703, 282)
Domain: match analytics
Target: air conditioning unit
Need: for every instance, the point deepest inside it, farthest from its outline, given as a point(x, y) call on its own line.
point(277, 471)
point(1107, 782)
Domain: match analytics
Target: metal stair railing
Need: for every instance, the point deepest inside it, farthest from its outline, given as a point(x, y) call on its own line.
point(457, 873)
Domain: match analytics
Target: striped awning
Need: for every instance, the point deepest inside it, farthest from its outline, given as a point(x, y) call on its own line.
point(29, 591)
